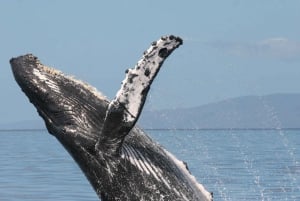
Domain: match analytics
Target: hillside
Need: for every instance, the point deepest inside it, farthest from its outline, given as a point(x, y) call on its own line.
point(258, 112)
point(272, 111)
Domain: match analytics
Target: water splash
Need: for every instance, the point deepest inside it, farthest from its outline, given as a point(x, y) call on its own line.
point(219, 184)
point(289, 146)
point(248, 164)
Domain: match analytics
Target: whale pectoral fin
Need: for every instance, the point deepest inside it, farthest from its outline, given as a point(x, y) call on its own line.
point(70, 108)
point(125, 109)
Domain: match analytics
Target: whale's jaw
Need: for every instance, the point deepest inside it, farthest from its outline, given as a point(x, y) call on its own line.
point(60, 99)
point(120, 160)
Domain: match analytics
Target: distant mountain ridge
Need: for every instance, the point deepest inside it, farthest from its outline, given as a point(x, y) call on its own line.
point(249, 112)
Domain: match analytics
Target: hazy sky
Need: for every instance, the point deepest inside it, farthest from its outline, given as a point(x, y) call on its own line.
point(231, 48)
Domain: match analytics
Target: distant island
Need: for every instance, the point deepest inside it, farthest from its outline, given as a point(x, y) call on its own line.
point(276, 111)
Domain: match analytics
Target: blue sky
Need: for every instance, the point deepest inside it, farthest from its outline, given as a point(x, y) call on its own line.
point(231, 48)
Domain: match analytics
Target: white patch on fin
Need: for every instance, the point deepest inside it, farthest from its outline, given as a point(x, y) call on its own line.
point(136, 84)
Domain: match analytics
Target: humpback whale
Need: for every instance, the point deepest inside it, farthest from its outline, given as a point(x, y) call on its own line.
point(119, 159)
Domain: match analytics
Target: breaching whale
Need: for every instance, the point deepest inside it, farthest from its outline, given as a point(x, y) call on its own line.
point(120, 161)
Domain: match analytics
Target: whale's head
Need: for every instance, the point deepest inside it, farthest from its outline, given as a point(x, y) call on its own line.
point(73, 111)
point(61, 100)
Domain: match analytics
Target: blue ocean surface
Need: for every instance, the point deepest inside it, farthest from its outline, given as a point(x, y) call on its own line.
point(233, 164)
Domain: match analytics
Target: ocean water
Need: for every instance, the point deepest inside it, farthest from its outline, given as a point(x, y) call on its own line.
point(234, 164)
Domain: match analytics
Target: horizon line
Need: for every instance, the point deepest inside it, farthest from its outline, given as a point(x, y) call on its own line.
point(157, 129)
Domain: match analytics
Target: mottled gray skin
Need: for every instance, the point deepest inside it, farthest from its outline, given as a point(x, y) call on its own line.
point(119, 159)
